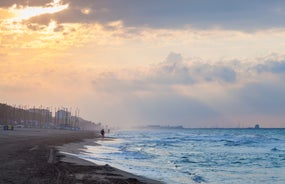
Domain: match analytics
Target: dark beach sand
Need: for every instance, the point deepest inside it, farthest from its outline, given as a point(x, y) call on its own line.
point(31, 156)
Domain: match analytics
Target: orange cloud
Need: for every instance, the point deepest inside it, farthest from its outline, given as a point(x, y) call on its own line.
point(25, 12)
point(5, 14)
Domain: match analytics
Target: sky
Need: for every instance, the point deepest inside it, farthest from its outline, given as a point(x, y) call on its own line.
point(196, 63)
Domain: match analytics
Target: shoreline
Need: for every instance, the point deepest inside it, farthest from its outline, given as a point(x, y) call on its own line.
point(34, 156)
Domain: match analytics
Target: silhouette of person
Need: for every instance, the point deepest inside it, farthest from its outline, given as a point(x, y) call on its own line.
point(103, 133)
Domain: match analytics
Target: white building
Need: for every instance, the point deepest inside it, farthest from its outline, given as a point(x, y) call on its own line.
point(62, 115)
point(43, 112)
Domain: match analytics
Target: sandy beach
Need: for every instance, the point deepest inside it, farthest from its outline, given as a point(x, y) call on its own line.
point(32, 156)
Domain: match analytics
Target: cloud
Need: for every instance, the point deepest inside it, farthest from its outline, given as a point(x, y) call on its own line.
point(71, 49)
point(172, 108)
point(26, 13)
point(172, 71)
point(70, 28)
point(222, 73)
point(204, 14)
point(5, 14)
point(178, 90)
point(272, 67)
point(196, 94)
point(262, 99)
point(178, 70)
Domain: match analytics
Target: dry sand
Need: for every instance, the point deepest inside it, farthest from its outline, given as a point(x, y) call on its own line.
point(30, 156)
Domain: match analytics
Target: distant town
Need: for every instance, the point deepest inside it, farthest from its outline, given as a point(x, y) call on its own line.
point(256, 126)
point(40, 117)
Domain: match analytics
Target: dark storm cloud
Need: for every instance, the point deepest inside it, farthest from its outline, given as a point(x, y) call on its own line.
point(229, 14)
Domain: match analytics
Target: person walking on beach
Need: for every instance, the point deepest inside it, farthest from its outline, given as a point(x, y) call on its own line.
point(103, 133)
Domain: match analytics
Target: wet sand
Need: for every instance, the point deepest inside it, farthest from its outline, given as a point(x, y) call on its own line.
point(31, 156)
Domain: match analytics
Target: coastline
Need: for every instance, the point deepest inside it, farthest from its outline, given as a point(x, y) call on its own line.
point(34, 156)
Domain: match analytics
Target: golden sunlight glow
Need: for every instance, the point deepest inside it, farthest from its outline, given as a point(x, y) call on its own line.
point(4, 14)
point(16, 33)
point(86, 11)
point(25, 12)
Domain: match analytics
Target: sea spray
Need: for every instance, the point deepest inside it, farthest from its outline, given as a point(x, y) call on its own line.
point(197, 155)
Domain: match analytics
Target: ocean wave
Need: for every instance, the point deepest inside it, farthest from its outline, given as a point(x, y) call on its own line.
point(198, 179)
point(277, 149)
point(220, 155)
point(239, 142)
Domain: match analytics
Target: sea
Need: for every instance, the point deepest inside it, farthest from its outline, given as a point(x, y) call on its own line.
point(185, 156)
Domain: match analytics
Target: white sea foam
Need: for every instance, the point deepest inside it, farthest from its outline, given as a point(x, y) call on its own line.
point(197, 155)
